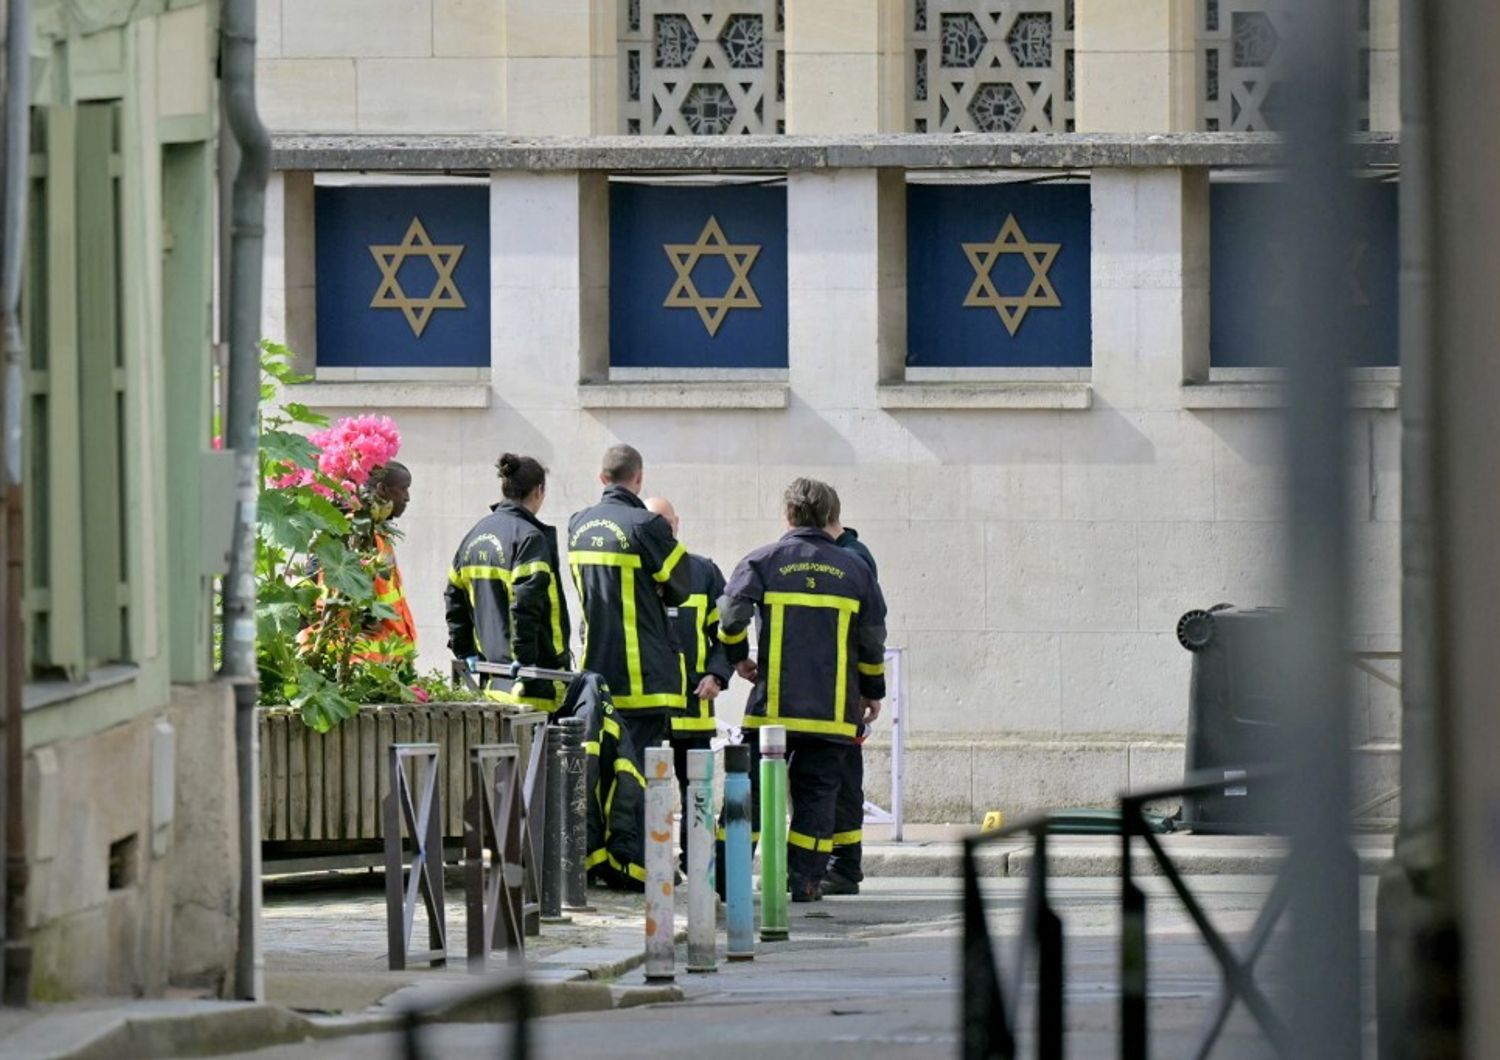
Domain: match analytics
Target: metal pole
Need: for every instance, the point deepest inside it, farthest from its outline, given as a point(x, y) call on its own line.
point(1465, 82)
point(15, 971)
point(661, 864)
point(1417, 974)
point(774, 925)
point(554, 839)
point(575, 837)
point(1315, 216)
point(702, 885)
point(739, 903)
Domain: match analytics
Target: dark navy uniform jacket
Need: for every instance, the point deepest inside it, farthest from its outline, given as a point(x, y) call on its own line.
point(629, 569)
point(504, 601)
point(821, 634)
point(695, 625)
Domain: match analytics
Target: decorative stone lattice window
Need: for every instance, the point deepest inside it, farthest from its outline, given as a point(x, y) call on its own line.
point(991, 65)
point(702, 67)
point(1242, 58)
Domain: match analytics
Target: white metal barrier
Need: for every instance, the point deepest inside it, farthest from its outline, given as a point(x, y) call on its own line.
point(895, 700)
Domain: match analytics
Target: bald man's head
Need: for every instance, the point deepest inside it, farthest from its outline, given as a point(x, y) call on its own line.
point(663, 507)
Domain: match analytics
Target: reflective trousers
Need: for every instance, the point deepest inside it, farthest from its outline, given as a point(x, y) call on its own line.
point(849, 818)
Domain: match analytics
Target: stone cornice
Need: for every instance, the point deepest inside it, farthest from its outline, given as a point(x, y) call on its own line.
point(479, 153)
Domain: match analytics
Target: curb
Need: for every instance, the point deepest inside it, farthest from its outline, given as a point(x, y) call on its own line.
point(946, 860)
point(150, 1030)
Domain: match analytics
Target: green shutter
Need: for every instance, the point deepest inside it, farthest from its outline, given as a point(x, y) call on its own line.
point(101, 384)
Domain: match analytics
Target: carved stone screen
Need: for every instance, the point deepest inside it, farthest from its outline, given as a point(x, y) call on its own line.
point(1242, 56)
point(990, 65)
point(702, 67)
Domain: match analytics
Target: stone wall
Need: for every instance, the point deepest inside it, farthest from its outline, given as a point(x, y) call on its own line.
point(129, 895)
point(1038, 538)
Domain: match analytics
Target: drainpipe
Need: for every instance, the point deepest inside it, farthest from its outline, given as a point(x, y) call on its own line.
point(246, 249)
point(17, 956)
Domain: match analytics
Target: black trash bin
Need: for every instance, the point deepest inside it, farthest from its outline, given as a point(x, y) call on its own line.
point(1231, 717)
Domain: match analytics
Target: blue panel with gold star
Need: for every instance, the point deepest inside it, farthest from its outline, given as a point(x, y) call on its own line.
point(997, 276)
point(403, 276)
point(697, 277)
point(1250, 278)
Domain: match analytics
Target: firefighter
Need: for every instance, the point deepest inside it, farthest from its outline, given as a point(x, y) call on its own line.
point(821, 669)
point(845, 866)
point(695, 627)
point(629, 568)
point(504, 598)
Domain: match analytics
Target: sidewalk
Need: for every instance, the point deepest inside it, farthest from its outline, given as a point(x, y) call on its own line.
point(324, 943)
point(936, 850)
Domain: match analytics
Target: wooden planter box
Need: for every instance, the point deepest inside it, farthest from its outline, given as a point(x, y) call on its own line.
point(321, 793)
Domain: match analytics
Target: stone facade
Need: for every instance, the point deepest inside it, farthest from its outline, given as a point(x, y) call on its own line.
point(564, 67)
point(1038, 535)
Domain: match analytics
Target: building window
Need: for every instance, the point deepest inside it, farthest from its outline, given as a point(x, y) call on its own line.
point(1242, 57)
point(403, 277)
point(78, 570)
point(698, 277)
point(1250, 277)
point(998, 276)
point(701, 67)
point(990, 65)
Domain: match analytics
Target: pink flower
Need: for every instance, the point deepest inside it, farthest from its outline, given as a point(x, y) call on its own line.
point(420, 695)
point(351, 448)
point(218, 442)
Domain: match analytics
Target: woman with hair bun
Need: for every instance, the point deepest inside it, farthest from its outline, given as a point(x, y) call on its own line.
point(504, 600)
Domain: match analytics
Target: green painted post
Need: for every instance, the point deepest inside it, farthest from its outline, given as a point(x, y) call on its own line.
point(773, 916)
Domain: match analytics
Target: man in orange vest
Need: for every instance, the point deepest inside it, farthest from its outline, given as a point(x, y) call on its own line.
point(392, 487)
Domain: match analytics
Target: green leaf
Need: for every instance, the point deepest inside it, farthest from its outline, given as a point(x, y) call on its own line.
point(342, 571)
point(284, 447)
point(323, 515)
point(297, 412)
point(282, 521)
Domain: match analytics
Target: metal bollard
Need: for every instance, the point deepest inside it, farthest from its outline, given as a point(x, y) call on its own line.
point(661, 864)
point(554, 840)
point(740, 904)
point(702, 955)
point(774, 925)
point(575, 836)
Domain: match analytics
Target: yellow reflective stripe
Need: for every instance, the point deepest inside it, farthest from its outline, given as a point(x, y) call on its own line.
point(713, 617)
point(671, 563)
point(474, 571)
point(819, 728)
point(660, 699)
point(634, 871)
point(733, 638)
point(632, 635)
point(773, 667)
point(842, 603)
point(541, 566)
point(535, 702)
point(456, 578)
point(872, 669)
point(807, 842)
point(611, 727)
point(848, 839)
point(841, 672)
point(592, 747)
point(626, 766)
point(699, 603)
point(583, 622)
point(598, 857)
point(603, 559)
point(691, 724)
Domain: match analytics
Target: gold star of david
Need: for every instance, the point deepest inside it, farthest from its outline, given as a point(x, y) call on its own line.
point(1039, 293)
point(712, 243)
point(444, 295)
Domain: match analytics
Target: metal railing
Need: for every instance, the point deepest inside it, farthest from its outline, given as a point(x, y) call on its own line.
point(422, 816)
point(895, 671)
point(992, 995)
point(495, 821)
